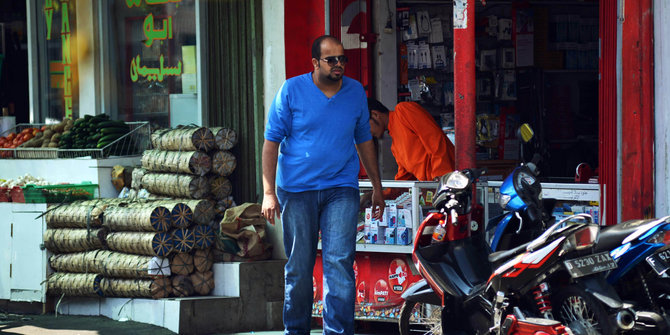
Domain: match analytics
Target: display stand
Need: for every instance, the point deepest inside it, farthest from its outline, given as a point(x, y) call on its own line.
point(582, 195)
point(383, 271)
point(73, 170)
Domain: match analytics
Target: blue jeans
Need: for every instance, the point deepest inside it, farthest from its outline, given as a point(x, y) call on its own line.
point(334, 212)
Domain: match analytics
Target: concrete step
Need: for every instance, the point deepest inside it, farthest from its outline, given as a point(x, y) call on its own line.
point(247, 297)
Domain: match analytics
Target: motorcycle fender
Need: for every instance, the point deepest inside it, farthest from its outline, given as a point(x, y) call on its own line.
point(500, 229)
point(422, 292)
point(601, 290)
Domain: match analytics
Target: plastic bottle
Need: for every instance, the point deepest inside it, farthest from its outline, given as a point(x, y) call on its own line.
point(439, 233)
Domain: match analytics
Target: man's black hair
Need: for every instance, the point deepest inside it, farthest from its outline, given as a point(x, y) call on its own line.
point(316, 45)
point(374, 104)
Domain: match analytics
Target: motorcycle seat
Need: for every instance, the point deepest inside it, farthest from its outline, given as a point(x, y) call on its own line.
point(505, 254)
point(610, 237)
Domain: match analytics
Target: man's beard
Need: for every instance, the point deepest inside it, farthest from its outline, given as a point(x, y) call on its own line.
point(335, 77)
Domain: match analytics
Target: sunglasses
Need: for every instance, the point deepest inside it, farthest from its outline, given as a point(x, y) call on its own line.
point(332, 60)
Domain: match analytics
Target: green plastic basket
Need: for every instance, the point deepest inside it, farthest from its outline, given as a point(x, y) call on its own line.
point(60, 193)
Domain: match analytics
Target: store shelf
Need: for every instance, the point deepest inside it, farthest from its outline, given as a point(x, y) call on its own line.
point(415, 188)
point(571, 192)
point(388, 248)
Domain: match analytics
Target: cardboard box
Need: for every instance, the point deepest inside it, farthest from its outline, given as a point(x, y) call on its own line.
point(404, 218)
point(403, 235)
point(389, 235)
point(392, 215)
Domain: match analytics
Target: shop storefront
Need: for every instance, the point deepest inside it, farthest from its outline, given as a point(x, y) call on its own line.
point(114, 86)
point(579, 72)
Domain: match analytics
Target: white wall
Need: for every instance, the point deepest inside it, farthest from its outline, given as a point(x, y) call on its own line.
point(274, 60)
point(662, 107)
point(274, 74)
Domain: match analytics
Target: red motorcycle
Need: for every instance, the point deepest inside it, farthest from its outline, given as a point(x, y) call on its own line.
point(468, 290)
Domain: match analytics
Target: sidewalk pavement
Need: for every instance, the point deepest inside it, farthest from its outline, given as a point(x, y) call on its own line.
point(50, 324)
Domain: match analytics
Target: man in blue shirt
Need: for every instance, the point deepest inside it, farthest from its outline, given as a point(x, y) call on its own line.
point(316, 124)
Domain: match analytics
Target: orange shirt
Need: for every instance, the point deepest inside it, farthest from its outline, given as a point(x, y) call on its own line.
point(423, 152)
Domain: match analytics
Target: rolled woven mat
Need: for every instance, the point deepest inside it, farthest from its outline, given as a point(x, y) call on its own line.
point(203, 210)
point(182, 263)
point(203, 259)
point(74, 216)
point(73, 239)
point(111, 264)
point(182, 286)
point(141, 243)
point(220, 187)
point(223, 163)
point(225, 138)
point(75, 284)
point(183, 239)
point(182, 214)
point(149, 218)
point(176, 185)
point(203, 282)
point(204, 237)
point(156, 288)
point(137, 174)
point(183, 139)
point(191, 162)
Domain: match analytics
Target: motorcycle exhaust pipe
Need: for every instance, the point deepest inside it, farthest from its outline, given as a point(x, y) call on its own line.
point(624, 319)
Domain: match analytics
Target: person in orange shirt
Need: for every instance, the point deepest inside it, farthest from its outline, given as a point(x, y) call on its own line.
point(423, 152)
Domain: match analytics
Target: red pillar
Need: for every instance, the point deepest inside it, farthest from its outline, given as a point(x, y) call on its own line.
point(303, 22)
point(637, 115)
point(464, 82)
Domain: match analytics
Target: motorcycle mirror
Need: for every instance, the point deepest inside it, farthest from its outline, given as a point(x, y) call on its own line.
point(525, 133)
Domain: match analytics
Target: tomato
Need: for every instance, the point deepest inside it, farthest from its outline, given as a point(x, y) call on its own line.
point(28, 136)
point(35, 131)
point(43, 128)
point(11, 136)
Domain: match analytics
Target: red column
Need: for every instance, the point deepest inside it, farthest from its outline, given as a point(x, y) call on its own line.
point(303, 22)
point(464, 82)
point(637, 115)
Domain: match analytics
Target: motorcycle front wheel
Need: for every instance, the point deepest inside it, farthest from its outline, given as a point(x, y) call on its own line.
point(420, 318)
point(578, 310)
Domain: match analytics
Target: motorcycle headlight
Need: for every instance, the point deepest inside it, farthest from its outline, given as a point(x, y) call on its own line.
point(660, 237)
point(583, 238)
point(456, 181)
point(504, 200)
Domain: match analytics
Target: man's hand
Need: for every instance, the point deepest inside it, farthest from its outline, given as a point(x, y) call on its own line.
point(378, 204)
point(270, 207)
point(366, 200)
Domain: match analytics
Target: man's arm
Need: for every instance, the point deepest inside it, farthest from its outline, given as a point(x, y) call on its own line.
point(270, 207)
point(366, 151)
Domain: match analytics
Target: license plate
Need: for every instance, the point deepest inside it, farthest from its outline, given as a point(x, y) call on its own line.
point(660, 262)
point(584, 266)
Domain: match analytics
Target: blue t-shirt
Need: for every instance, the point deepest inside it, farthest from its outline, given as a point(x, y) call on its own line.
point(317, 134)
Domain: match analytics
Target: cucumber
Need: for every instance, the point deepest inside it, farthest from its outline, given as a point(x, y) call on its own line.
point(103, 144)
point(111, 123)
point(114, 130)
point(109, 137)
